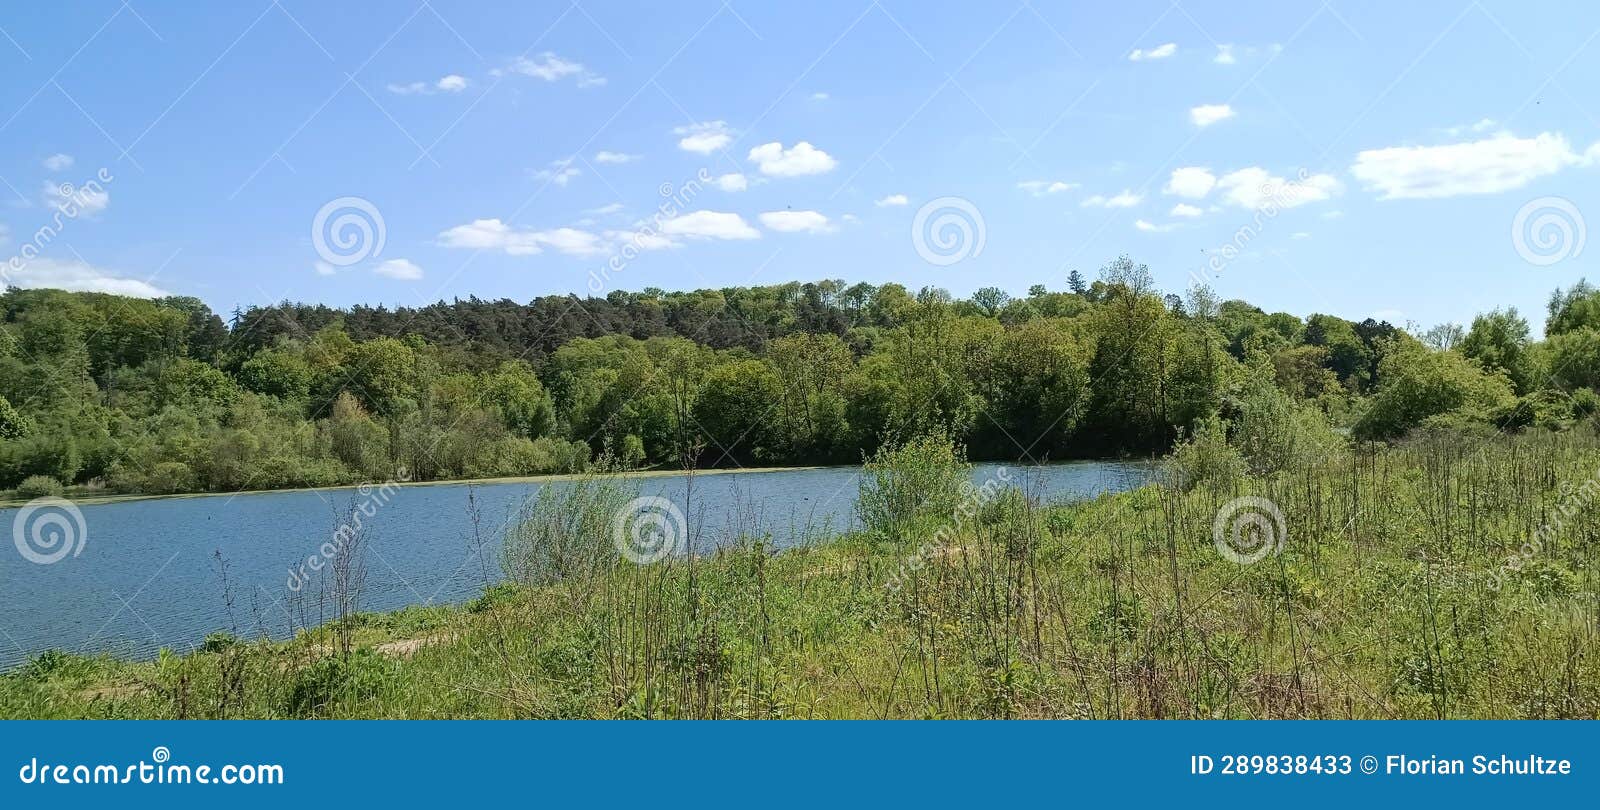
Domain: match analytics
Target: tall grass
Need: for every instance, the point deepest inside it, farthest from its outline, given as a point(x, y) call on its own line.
point(1406, 586)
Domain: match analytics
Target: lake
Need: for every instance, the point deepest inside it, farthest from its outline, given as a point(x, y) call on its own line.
point(147, 573)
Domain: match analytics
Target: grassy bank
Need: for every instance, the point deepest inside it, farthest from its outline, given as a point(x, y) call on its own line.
point(1444, 577)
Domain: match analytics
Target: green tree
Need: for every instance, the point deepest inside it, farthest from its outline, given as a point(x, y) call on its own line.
point(1499, 340)
point(1419, 384)
point(13, 425)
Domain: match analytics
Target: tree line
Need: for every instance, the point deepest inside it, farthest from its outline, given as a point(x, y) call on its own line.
point(163, 395)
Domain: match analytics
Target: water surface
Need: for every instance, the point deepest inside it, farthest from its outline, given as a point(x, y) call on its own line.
point(148, 575)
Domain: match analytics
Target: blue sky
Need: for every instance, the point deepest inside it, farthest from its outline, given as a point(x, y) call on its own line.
point(1377, 155)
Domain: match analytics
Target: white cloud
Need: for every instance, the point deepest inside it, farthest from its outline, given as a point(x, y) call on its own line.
point(796, 161)
point(892, 200)
point(1300, 235)
point(1482, 125)
point(325, 269)
point(571, 241)
point(642, 239)
point(560, 172)
point(1194, 182)
point(84, 200)
point(710, 225)
point(732, 181)
point(492, 234)
point(446, 84)
point(850, 218)
point(1207, 114)
point(1040, 188)
point(1148, 227)
point(1333, 215)
point(1158, 52)
point(604, 156)
point(796, 222)
point(77, 276)
point(705, 137)
point(1185, 210)
point(1253, 187)
point(551, 68)
point(1487, 166)
point(57, 162)
point(609, 208)
point(1127, 199)
point(1224, 55)
point(819, 96)
point(402, 269)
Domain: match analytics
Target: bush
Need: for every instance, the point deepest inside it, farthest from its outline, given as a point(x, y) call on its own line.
point(170, 478)
point(1205, 458)
point(39, 486)
point(316, 688)
point(565, 531)
point(904, 489)
point(1271, 430)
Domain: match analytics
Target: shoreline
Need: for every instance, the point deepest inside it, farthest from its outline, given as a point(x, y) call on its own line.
point(94, 499)
point(89, 499)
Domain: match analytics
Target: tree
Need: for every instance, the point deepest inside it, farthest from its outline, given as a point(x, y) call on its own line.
point(1577, 308)
point(1076, 283)
point(1348, 355)
point(732, 411)
point(276, 373)
point(12, 424)
point(516, 392)
point(1419, 384)
point(1443, 337)
point(1499, 340)
point(991, 300)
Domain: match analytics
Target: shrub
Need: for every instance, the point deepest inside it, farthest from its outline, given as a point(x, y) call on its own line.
point(1205, 458)
point(565, 531)
point(39, 486)
point(330, 680)
point(905, 488)
point(170, 478)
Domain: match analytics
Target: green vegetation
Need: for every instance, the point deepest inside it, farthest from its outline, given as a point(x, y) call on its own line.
point(1447, 576)
point(1438, 499)
point(99, 392)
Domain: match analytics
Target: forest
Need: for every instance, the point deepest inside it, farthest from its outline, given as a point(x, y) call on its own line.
point(126, 395)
